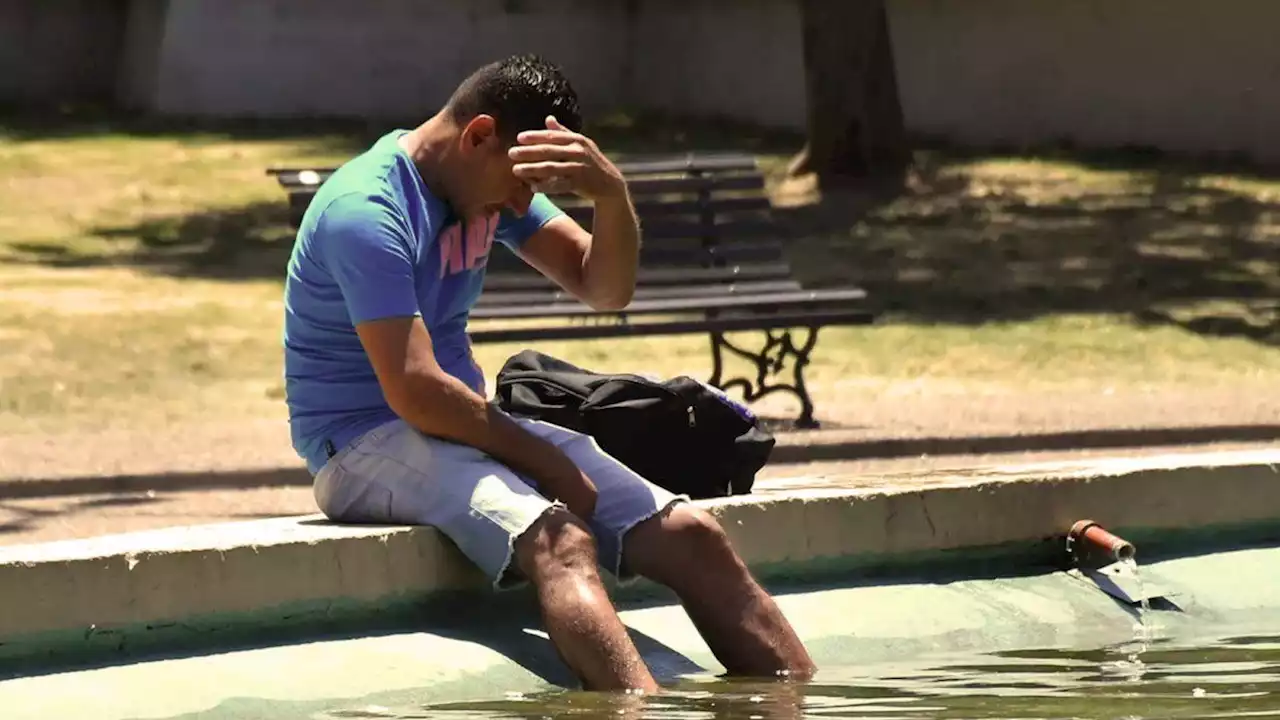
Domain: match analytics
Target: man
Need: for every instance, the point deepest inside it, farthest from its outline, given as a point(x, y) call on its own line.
point(387, 405)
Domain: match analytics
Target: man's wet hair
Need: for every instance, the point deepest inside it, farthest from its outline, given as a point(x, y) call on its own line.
point(519, 93)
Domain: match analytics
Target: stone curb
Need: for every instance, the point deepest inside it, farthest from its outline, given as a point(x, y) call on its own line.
point(268, 569)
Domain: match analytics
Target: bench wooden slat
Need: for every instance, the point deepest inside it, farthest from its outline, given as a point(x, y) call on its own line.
point(664, 164)
point(641, 186)
point(650, 209)
point(689, 162)
point(662, 306)
point(777, 321)
point(285, 170)
point(552, 294)
point(683, 243)
point(658, 256)
point(714, 206)
point(700, 171)
point(735, 228)
point(676, 253)
point(526, 277)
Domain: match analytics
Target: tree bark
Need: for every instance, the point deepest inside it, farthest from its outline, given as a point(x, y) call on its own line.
point(855, 123)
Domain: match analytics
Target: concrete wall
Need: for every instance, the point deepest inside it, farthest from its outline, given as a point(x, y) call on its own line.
point(377, 57)
point(1185, 74)
point(401, 58)
point(59, 51)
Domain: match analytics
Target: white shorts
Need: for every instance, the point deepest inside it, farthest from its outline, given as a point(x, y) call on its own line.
point(394, 474)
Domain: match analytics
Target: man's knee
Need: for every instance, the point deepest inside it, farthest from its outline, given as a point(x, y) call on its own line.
point(699, 533)
point(558, 542)
point(679, 541)
point(691, 553)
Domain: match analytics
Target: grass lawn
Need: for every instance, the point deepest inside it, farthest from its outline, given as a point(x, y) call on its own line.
point(140, 271)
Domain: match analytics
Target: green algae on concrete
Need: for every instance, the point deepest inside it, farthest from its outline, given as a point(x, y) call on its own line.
point(487, 654)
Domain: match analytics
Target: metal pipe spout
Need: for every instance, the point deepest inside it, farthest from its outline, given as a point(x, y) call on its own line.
point(1090, 544)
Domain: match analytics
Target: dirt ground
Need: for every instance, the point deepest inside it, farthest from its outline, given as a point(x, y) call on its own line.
point(75, 486)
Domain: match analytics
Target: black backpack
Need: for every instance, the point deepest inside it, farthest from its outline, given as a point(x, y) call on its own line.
point(680, 434)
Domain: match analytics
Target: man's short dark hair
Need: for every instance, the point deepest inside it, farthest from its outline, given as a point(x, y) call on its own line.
point(519, 93)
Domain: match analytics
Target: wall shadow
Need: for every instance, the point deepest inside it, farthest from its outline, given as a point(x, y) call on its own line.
point(82, 121)
point(1163, 241)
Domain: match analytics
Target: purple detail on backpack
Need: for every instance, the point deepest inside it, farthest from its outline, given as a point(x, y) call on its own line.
point(743, 411)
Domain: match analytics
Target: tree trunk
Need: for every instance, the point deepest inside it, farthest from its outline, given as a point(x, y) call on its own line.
point(855, 124)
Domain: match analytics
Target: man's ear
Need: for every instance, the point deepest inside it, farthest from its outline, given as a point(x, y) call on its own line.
point(478, 132)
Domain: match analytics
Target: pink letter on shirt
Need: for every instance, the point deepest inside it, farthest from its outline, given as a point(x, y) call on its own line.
point(451, 257)
point(480, 240)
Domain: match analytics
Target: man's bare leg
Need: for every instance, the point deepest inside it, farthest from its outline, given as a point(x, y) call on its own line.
point(686, 550)
point(558, 555)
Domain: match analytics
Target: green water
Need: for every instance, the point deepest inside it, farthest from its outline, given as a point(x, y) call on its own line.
point(1041, 645)
point(1211, 677)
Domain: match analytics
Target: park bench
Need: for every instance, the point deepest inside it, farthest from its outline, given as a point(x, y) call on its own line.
point(712, 261)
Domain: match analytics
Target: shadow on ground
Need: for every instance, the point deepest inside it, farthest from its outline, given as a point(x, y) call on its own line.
point(1159, 240)
point(87, 122)
point(242, 243)
point(1152, 238)
point(253, 240)
point(508, 624)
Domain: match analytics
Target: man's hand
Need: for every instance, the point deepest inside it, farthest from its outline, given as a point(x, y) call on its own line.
point(599, 266)
point(570, 486)
point(559, 160)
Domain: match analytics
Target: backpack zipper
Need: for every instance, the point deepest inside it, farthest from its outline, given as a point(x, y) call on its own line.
point(548, 383)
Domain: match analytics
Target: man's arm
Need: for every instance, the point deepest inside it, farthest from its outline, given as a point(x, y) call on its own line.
point(438, 404)
point(598, 267)
point(366, 249)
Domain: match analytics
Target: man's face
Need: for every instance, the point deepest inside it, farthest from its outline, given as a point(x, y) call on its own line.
point(489, 183)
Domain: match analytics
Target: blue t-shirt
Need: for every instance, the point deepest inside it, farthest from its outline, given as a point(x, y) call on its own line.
point(376, 243)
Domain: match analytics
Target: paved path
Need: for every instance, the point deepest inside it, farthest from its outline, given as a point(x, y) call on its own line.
point(46, 518)
point(54, 487)
point(869, 419)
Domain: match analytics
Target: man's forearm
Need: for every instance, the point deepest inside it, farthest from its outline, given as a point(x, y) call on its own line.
point(443, 406)
point(609, 271)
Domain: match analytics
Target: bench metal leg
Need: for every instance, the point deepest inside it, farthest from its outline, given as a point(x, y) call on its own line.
point(771, 360)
